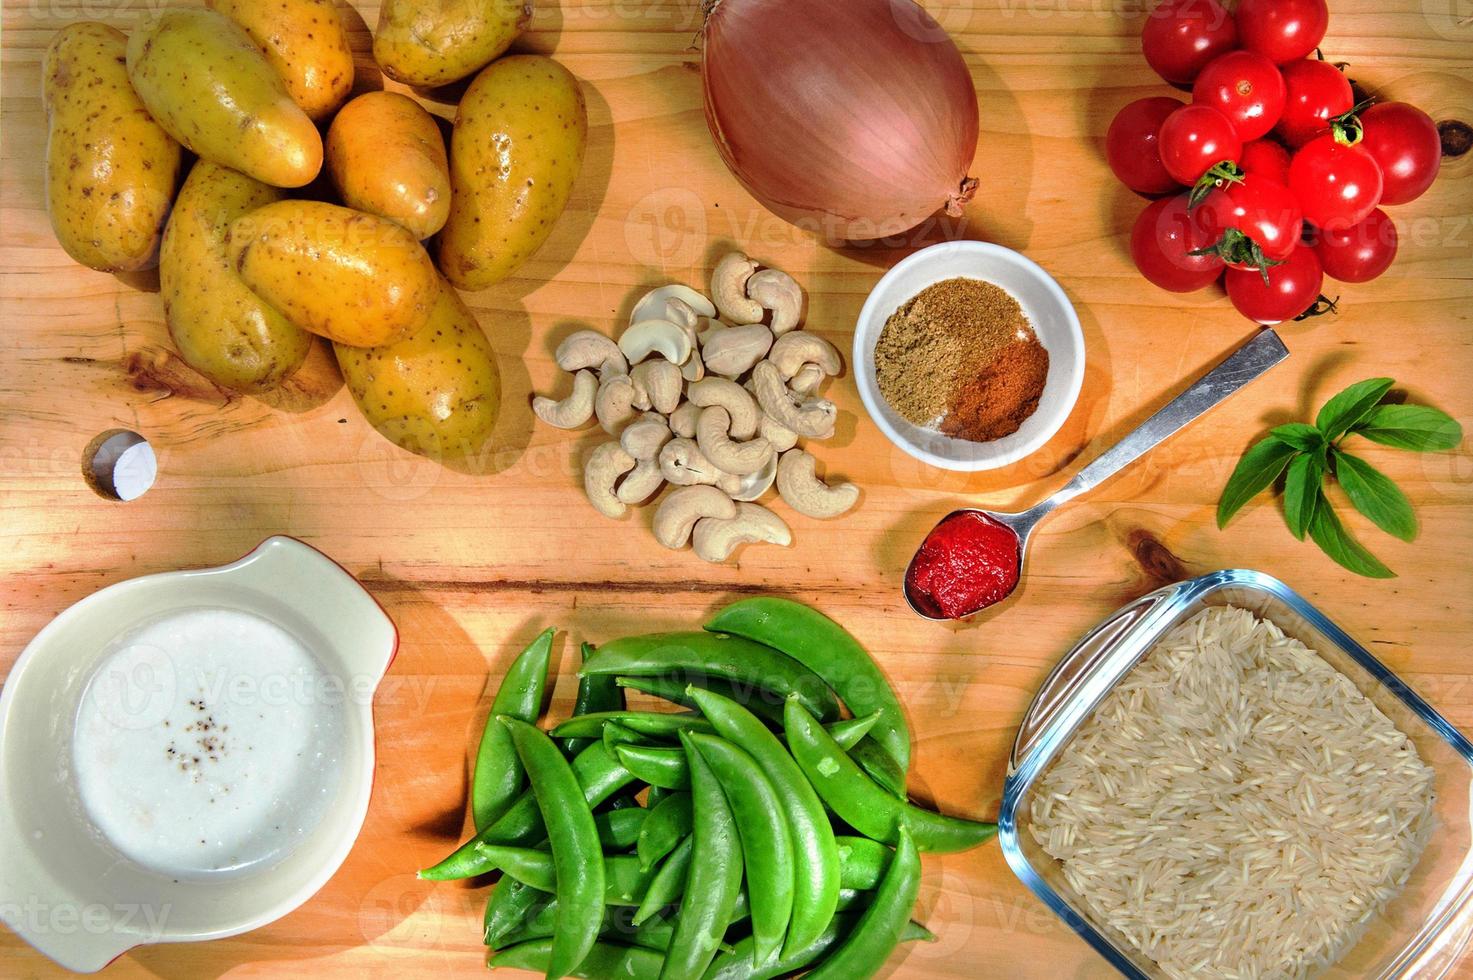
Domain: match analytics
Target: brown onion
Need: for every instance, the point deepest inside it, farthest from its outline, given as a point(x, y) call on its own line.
point(856, 119)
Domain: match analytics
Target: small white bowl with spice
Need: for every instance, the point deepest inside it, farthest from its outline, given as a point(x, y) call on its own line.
point(968, 356)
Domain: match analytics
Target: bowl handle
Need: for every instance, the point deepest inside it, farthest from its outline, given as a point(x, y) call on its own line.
point(1076, 668)
point(76, 934)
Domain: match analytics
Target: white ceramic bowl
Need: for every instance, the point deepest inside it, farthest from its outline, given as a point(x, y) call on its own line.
point(1046, 307)
point(68, 892)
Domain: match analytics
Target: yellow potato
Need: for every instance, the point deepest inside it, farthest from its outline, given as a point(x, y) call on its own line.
point(514, 154)
point(386, 156)
point(351, 277)
point(222, 329)
point(207, 84)
point(110, 169)
point(305, 42)
point(435, 42)
point(437, 392)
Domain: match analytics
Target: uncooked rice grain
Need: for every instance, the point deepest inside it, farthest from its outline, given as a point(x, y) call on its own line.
point(1235, 807)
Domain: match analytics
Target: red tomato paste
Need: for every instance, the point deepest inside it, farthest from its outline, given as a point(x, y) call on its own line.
point(969, 562)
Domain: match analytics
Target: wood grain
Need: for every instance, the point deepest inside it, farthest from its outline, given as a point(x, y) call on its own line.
point(472, 564)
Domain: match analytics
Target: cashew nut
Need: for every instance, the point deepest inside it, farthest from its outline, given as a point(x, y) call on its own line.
point(731, 351)
point(659, 304)
point(713, 435)
point(683, 464)
point(651, 336)
point(779, 292)
point(693, 369)
point(716, 538)
point(641, 483)
point(605, 466)
point(614, 405)
point(729, 290)
point(807, 381)
point(801, 489)
point(678, 513)
point(732, 397)
point(643, 438)
point(792, 351)
point(572, 411)
point(588, 349)
point(814, 418)
point(683, 420)
point(660, 381)
point(751, 486)
point(781, 437)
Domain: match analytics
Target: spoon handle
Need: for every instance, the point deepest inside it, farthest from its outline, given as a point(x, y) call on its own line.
point(1243, 366)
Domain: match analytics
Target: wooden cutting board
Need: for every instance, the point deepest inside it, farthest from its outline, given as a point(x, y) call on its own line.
point(472, 564)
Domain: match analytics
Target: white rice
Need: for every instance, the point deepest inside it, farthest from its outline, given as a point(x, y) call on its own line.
point(1235, 807)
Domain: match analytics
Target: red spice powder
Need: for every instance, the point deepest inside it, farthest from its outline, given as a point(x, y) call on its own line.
point(969, 562)
point(997, 400)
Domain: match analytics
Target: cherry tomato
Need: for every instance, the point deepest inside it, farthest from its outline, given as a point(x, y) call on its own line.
point(1337, 185)
point(1260, 209)
point(1361, 252)
point(1404, 141)
point(1314, 93)
point(1266, 158)
point(1194, 139)
point(1161, 242)
point(1282, 30)
point(1182, 36)
point(1292, 287)
point(1130, 145)
point(1247, 88)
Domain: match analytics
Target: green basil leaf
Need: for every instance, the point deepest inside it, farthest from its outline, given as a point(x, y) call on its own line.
point(1327, 531)
point(1375, 496)
point(1301, 436)
point(1415, 427)
point(1352, 405)
point(1255, 472)
point(1302, 492)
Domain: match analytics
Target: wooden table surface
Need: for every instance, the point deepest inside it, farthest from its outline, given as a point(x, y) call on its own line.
point(472, 564)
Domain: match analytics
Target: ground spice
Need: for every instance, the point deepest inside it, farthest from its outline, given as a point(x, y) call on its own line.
point(961, 356)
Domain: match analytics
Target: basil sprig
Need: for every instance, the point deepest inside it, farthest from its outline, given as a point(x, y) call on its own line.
point(1304, 455)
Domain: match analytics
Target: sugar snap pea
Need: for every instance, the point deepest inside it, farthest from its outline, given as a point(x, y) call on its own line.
point(507, 909)
point(862, 862)
point(765, 704)
point(602, 961)
point(739, 962)
point(624, 880)
point(878, 932)
point(497, 778)
point(860, 802)
point(815, 854)
point(654, 723)
point(879, 765)
point(731, 658)
point(668, 883)
point(827, 649)
point(713, 881)
point(668, 824)
point(766, 838)
point(851, 731)
point(575, 851)
point(596, 692)
point(656, 765)
point(619, 830)
point(616, 735)
point(617, 928)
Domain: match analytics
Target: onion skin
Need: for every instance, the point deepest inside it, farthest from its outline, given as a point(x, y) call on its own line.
point(855, 119)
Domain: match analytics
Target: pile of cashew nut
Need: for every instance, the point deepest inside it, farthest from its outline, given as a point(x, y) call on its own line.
point(712, 396)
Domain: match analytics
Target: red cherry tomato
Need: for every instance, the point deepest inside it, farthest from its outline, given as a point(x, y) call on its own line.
point(1282, 30)
point(1337, 185)
point(1361, 252)
point(1314, 93)
point(1247, 88)
point(1194, 139)
point(1260, 209)
point(1404, 141)
point(1292, 287)
point(1130, 145)
point(1182, 36)
point(1161, 242)
point(1266, 158)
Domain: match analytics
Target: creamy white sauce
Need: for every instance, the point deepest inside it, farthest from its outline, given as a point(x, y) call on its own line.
point(209, 741)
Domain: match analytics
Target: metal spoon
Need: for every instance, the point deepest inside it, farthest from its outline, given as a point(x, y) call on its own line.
point(1243, 366)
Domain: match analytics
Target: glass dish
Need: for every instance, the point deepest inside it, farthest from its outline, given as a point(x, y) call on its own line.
point(1424, 929)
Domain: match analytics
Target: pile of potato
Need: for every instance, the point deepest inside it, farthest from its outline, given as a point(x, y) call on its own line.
point(248, 271)
point(712, 396)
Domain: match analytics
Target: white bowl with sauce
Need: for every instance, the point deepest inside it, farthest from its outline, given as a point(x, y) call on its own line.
point(1048, 310)
point(189, 755)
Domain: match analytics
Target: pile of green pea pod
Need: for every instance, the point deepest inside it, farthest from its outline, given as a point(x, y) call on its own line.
point(759, 833)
